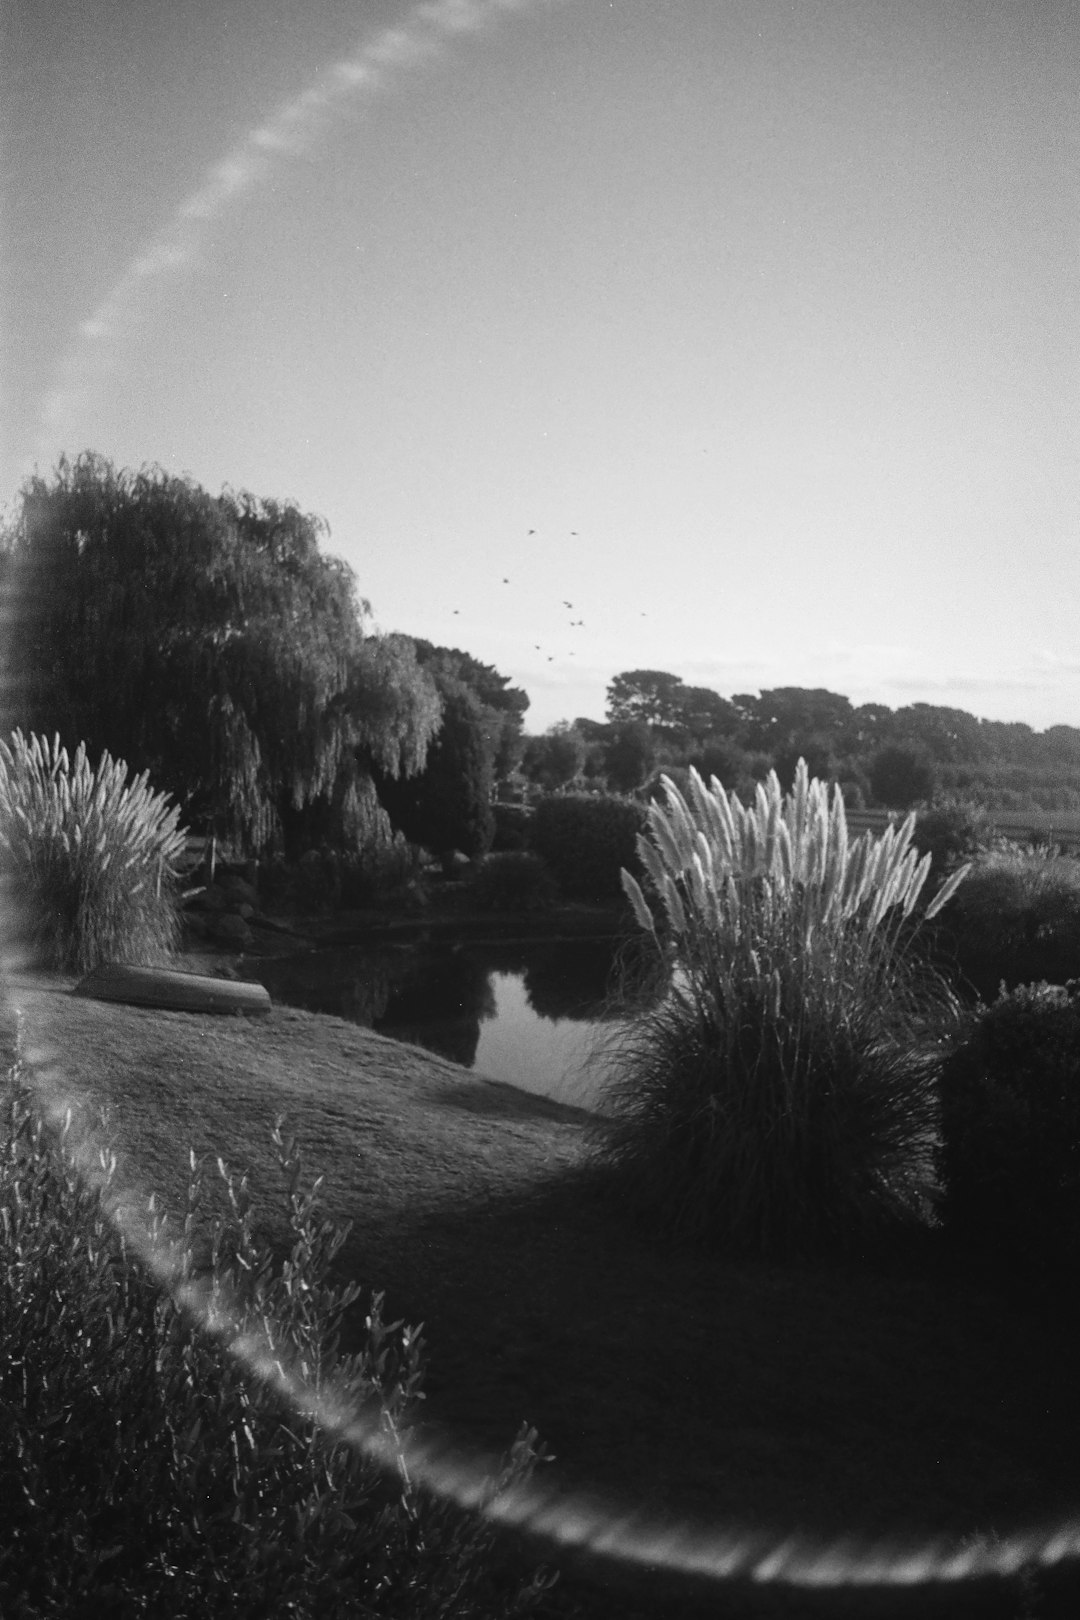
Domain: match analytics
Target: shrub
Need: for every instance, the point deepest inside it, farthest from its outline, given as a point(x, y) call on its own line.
point(514, 881)
point(152, 1463)
point(91, 860)
point(951, 831)
point(329, 880)
point(1010, 1112)
point(1017, 918)
point(376, 876)
point(511, 827)
point(586, 839)
point(780, 1097)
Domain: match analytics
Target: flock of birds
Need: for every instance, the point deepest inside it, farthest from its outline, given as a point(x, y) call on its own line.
point(574, 624)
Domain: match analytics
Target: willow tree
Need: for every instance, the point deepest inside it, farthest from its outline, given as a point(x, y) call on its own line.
point(208, 640)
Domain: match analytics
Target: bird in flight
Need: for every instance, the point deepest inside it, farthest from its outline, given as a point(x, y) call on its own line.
point(532, 531)
point(506, 581)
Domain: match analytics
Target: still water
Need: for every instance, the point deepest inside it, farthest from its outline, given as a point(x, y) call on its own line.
point(532, 1014)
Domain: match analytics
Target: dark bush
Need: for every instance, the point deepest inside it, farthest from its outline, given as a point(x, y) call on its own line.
point(447, 806)
point(586, 839)
point(901, 777)
point(1015, 917)
point(1010, 1122)
point(950, 831)
point(629, 756)
point(327, 880)
point(514, 880)
point(511, 827)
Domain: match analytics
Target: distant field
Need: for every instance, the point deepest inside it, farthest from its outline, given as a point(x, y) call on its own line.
point(1063, 826)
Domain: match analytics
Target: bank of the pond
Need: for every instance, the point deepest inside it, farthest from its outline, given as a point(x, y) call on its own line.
point(819, 1400)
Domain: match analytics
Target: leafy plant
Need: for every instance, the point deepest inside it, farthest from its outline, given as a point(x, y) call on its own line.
point(1016, 918)
point(586, 839)
point(1010, 1153)
point(950, 830)
point(781, 1096)
point(186, 1450)
point(513, 881)
point(90, 858)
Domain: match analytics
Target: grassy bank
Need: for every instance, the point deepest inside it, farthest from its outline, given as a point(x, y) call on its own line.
point(899, 1398)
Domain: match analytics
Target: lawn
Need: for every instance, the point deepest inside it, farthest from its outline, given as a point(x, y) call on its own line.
point(890, 1399)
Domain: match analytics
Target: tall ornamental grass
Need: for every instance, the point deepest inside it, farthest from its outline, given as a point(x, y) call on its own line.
point(89, 858)
point(780, 1098)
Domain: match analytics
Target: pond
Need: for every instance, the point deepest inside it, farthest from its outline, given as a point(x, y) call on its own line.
point(531, 1013)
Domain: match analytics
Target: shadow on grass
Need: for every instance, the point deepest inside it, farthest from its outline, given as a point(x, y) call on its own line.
point(496, 1100)
point(897, 1398)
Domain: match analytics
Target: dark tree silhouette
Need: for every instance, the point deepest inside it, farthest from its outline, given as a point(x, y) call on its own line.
point(901, 777)
point(556, 759)
point(447, 806)
point(208, 640)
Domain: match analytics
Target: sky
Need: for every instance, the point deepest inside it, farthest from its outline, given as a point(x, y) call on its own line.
point(734, 339)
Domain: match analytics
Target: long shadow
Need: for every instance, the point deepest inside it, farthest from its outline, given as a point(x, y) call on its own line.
point(495, 1099)
point(828, 1399)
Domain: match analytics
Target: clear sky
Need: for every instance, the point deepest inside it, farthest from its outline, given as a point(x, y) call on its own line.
point(762, 315)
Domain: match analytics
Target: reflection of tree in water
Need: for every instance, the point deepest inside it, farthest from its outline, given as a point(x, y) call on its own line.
point(441, 1005)
point(586, 978)
point(347, 985)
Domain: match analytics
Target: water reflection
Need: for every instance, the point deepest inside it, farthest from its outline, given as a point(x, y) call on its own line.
point(528, 1013)
point(440, 1005)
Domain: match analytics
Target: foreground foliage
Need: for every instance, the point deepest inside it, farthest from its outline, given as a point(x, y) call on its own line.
point(144, 1468)
point(781, 1096)
point(90, 858)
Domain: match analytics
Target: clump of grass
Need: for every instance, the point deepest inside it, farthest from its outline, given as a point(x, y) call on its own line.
point(144, 1469)
point(90, 859)
point(781, 1097)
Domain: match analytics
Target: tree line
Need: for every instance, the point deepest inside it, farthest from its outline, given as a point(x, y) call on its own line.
point(880, 756)
point(211, 641)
